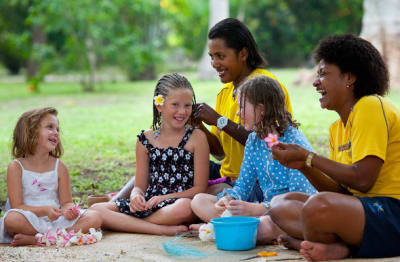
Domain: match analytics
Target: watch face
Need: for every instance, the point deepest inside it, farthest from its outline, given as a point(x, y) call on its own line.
point(222, 122)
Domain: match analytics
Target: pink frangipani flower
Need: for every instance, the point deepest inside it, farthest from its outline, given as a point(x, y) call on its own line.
point(271, 139)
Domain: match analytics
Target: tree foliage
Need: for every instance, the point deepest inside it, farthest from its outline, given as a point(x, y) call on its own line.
point(288, 30)
point(137, 35)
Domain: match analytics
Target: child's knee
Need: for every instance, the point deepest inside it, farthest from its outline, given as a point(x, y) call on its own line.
point(198, 200)
point(183, 208)
point(93, 217)
point(13, 221)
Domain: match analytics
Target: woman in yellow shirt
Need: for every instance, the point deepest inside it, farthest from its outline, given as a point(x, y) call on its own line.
point(235, 56)
point(357, 211)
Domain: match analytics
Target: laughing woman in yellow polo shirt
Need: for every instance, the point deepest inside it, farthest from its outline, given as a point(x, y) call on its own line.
point(235, 56)
point(357, 212)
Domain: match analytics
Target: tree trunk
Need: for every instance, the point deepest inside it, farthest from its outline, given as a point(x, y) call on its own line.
point(381, 26)
point(219, 9)
point(33, 65)
point(91, 56)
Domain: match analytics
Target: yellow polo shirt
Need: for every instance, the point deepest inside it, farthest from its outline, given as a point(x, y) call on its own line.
point(370, 131)
point(228, 106)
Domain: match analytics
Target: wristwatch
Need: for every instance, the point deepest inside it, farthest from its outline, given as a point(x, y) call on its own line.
point(309, 158)
point(222, 122)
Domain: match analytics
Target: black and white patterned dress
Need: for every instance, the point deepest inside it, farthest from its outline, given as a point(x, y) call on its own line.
point(171, 170)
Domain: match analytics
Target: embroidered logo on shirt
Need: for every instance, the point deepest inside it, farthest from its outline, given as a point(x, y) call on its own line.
point(344, 147)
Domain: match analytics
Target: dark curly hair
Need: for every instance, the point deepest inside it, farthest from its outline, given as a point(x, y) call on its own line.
point(359, 57)
point(237, 36)
point(164, 85)
point(268, 92)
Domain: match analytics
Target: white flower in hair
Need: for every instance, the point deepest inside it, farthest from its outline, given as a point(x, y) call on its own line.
point(159, 100)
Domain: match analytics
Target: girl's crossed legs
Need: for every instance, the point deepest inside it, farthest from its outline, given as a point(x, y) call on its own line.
point(165, 221)
point(24, 233)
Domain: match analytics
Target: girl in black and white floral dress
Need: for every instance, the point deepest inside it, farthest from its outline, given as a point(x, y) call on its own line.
point(172, 163)
point(171, 171)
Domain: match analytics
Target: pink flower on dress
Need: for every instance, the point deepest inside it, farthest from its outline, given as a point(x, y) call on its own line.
point(40, 186)
point(271, 139)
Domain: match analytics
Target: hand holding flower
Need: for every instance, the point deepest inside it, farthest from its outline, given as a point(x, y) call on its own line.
point(53, 213)
point(290, 155)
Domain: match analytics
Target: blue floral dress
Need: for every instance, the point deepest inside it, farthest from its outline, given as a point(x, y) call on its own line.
point(171, 171)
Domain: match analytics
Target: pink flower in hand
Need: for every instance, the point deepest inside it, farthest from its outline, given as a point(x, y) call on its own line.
point(271, 139)
point(77, 208)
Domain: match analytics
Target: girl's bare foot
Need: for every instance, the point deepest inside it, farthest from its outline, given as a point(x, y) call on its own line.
point(195, 227)
point(289, 242)
point(267, 231)
point(313, 251)
point(23, 240)
point(174, 230)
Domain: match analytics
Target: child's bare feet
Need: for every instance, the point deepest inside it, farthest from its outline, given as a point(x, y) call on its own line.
point(195, 227)
point(289, 242)
point(23, 240)
point(267, 231)
point(174, 230)
point(313, 251)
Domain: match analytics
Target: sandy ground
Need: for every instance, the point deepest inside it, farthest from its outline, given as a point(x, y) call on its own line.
point(137, 247)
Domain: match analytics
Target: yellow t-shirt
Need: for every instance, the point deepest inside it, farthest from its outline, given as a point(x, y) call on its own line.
point(227, 106)
point(367, 134)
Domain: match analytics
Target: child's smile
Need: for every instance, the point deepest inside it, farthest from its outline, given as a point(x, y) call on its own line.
point(48, 133)
point(177, 108)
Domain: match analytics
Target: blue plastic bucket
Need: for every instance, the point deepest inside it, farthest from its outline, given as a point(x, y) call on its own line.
point(235, 233)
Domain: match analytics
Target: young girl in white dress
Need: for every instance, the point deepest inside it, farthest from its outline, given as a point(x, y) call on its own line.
point(38, 183)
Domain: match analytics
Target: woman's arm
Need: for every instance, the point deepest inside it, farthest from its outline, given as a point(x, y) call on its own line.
point(14, 186)
point(209, 116)
point(360, 176)
point(328, 175)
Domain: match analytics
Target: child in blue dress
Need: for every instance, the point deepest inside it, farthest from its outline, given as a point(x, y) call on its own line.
point(262, 109)
point(171, 167)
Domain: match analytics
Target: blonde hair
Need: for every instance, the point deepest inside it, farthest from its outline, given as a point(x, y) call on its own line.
point(26, 133)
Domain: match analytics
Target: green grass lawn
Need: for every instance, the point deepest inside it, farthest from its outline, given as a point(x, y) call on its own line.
point(98, 130)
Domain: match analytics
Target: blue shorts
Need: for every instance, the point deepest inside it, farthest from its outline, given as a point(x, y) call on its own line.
point(381, 236)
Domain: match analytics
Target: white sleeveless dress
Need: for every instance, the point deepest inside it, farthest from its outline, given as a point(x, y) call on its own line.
point(38, 189)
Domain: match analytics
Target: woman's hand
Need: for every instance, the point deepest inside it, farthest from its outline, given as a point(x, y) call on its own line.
point(154, 201)
point(206, 114)
point(290, 155)
point(138, 203)
point(53, 213)
point(71, 213)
